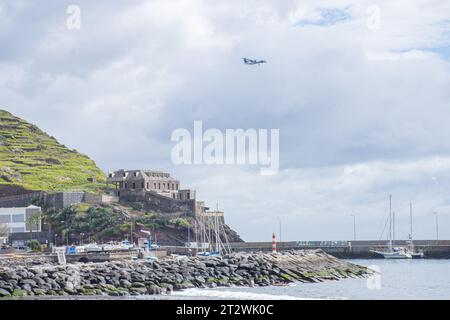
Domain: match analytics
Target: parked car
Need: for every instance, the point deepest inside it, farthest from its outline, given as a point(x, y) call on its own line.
point(126, 245)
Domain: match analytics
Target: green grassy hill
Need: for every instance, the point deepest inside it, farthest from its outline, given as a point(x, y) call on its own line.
point(31, 159)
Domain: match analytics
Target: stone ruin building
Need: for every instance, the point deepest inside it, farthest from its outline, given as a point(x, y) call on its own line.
point(158, 191)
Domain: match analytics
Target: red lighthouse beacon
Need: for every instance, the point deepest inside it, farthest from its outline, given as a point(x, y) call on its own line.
point(274, 243)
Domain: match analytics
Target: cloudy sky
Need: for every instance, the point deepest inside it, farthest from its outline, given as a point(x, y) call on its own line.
point(360, 93)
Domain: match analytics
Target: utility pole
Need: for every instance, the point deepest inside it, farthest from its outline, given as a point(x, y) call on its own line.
point(354, 226)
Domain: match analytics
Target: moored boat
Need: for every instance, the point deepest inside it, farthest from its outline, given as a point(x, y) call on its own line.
point(395, 253)
point(391, 252)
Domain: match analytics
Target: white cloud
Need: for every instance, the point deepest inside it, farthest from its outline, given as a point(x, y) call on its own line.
point(362, 113)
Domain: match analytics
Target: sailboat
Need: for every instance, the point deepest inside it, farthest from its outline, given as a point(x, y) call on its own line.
point(416, 254)
point(210, 233)
point(391, 252)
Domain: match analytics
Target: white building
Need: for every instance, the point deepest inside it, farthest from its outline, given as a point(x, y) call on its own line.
point(14, 220)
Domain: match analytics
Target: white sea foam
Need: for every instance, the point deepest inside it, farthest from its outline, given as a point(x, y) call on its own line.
point(228, 294)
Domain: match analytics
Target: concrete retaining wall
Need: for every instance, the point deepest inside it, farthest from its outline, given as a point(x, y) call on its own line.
point(349, 249)
point(21, 200)
point(99, 198)
point(158, 203)
point(58, 200)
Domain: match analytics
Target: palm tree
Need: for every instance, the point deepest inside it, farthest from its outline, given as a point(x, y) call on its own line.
point(33, 220)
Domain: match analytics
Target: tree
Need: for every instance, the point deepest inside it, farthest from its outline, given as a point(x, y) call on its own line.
point(32, 221)
point(4, 230)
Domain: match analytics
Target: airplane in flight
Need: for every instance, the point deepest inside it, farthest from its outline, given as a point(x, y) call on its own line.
point(253, 62)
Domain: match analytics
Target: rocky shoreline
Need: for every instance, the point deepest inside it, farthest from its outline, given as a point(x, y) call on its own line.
point(124, 278)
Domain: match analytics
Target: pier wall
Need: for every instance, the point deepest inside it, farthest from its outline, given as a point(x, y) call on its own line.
point(349, 249)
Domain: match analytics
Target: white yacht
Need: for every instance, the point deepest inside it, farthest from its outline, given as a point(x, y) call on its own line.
point(415, 253)
point(391, 252)
point(395, 253)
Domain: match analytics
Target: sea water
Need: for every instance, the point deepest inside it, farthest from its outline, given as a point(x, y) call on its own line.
point(397, 279)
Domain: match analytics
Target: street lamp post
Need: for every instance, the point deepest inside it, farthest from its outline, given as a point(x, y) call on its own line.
point(279, 226)
point(354, 226)
point(55, 238)
point(49, 232)
point(437, 227)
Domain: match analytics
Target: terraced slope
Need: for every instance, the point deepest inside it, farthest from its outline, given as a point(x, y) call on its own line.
point(30, 159)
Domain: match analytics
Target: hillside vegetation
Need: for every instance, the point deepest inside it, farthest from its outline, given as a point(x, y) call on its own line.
point(31, 159)
point(118, 221)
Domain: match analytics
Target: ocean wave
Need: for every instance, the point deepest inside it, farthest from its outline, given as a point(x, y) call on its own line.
point(228, 294)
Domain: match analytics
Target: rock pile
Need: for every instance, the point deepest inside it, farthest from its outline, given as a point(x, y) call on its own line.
point(174, 273)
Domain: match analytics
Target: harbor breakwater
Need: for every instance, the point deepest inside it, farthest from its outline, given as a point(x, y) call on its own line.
point(121, 278)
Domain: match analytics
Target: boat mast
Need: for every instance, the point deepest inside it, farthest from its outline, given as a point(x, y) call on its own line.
point(390, 222)
point(410, 223)
point(196, 234)
point(216, 228)
point(393, 227)
point(188, 233)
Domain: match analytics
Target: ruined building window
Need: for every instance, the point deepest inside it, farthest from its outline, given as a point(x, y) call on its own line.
point(148, 185)
point(164, 186)
point(187, 196)
point(159, 185)
point(126, 185)
point(154, 185)
point(176, 186)
point(134, 185)
point(142, 185)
